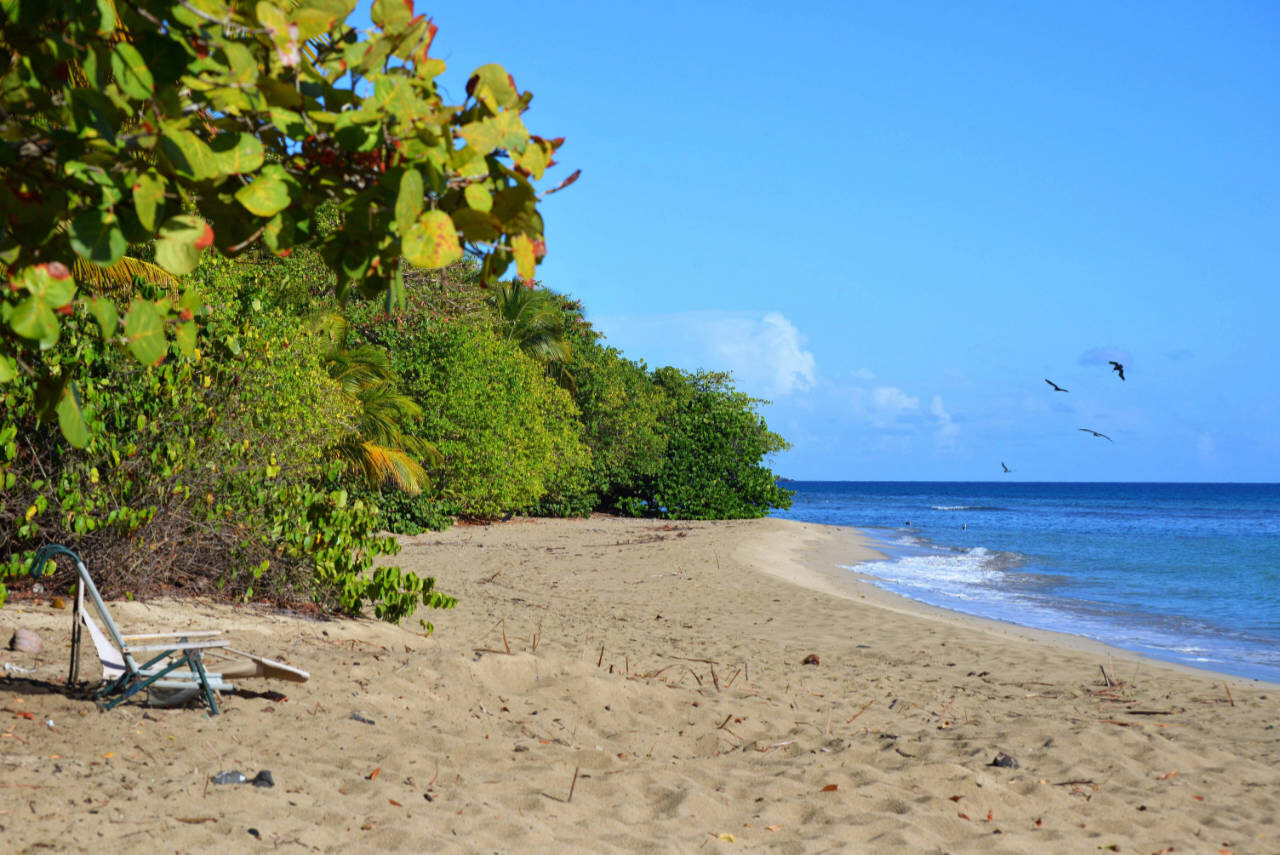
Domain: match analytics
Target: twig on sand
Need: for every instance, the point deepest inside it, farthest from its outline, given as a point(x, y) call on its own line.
point(860, 712)
point(601, 659)
point(1106, 677)
point(734, 677)
point(695, 674)
point(573, 784)
point(714, 678)
point(1228, 688)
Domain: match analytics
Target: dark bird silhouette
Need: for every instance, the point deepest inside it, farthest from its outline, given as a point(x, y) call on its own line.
point(1006, 469)
point(1055, 386)
point(1117, 367)
point(1095, 433)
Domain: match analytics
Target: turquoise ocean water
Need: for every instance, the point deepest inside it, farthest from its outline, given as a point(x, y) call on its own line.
point(1184, 572)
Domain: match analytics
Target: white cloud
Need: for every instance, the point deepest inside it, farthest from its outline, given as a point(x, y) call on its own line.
point(889, 404)
point(765, 352)
point(946, 429)
point(865, 374)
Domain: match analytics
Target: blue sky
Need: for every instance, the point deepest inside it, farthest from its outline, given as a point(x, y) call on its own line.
point(894, 221)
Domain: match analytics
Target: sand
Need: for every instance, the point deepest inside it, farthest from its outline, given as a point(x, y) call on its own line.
point(617, 685)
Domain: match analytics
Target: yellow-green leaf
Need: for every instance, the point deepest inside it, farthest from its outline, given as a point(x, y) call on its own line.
point(522, 249)
point(237, 153)
point(432, 241)
point(71, 416)
point(478, 197)
point(144, 329)
point(104, 312)
point(131, 71)
point(267, 196)
point(148, 198)
point(408, 200)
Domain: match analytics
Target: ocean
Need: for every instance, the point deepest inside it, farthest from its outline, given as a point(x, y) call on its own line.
point(1188, 573)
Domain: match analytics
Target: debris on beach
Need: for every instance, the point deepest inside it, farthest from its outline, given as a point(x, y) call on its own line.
point(26, 641)
point(811, 659)
point(231, 777)
point(263, 779)
point(362, 719)
point(1004, 760)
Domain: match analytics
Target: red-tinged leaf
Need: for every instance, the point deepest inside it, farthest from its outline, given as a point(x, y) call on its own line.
point(830, 788)
point(1167, 775)
point(29, 716)
point(964, 817)
point(394, 802)
point(955, 798)
point(57, 269)
point(374, 773)
point(206, 238)
point(1039, 822)
point(565, 183)
point(990, 816)
point(1198, 798)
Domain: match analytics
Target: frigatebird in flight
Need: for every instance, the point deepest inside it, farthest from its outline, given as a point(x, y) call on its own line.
point(1055, 386)
point(1117, 367)
point(1095, 433)
point(1006, 469)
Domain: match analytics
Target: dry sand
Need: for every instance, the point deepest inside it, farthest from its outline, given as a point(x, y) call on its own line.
point(653, 699)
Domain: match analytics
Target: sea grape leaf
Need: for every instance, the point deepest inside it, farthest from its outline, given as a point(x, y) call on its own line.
point(71, 416)
point(144, 329)
point(96, 236)
point(408, 200)
point(432, 241)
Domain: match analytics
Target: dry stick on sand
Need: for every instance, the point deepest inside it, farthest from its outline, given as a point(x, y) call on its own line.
point(1106, 677)
point(714, 678)
point(1228, 688)
point(601, 659)
point(573, 784)
point(860, 712)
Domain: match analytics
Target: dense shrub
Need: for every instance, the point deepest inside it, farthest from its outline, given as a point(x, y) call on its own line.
point(203, 472)
point(509, 436)
point(717, 443)
point(623, 419)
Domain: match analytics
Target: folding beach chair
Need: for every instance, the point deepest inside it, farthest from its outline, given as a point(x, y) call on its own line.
point(175, 671)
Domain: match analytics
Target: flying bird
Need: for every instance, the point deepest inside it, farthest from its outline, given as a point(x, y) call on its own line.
point(1055, 386)
point(1006, 469)
point(1117, 367)
point(1095, 433)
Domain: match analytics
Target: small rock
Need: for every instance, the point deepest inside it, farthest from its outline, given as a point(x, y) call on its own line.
point(26, 641)
point(255, 833)
point(358, 717)
point(263, 779)
point(1005, 761)
point(811, 659)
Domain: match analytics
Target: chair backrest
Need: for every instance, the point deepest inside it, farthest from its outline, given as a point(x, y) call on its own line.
point(113, 662)
point(85, 583)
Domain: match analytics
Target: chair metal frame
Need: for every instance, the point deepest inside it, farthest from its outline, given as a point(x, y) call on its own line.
point(185, 652)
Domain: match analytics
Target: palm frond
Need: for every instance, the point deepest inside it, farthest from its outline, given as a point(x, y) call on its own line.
point(117, 279)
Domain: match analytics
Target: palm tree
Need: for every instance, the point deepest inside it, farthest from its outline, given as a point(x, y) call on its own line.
point(533, 319)
point(380, 448)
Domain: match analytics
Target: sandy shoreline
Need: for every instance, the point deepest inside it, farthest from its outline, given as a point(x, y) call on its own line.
point(662, 662)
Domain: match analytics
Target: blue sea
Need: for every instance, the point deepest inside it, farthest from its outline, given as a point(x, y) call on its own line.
point(1188, 573)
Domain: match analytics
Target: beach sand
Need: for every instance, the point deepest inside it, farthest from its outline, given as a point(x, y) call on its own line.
point(611, 685)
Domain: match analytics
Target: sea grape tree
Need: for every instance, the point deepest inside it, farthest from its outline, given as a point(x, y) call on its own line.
point(210, 125)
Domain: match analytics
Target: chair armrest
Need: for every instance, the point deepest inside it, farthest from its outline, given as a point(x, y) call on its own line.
point(186, 645)
point(203, 633)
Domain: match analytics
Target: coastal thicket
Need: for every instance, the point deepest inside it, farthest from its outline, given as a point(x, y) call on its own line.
point(256, 313)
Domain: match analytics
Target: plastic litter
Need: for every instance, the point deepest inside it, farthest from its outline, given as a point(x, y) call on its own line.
point(232, 777)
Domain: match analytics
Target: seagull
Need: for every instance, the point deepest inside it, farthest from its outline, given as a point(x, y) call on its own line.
point(1006, 469)
point(1095, 433)
point(1117, 367)
point(1055, 386)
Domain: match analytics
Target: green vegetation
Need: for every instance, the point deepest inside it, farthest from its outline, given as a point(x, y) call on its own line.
point(251, 421)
